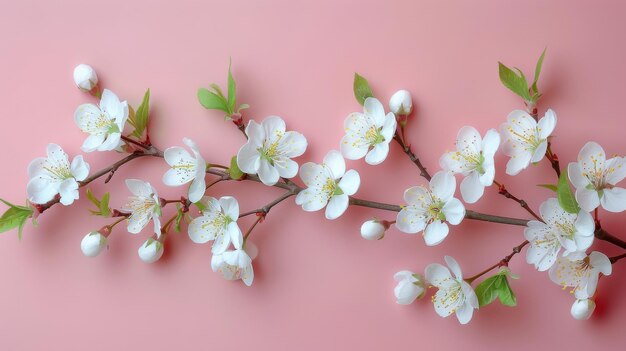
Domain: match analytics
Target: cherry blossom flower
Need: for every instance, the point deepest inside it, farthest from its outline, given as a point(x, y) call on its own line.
point(328, 185)
point(270, 149)
point(455, 295)
point(104, 124)
point(219, 223)
point(409, 288)
point(54, 175)
point(234, 265)
point(144, 205)
point(572, 232)
point(185, 169)
point(525, 140)
point(369, 133)
point(594, 178)
point(581, 272)
point(473, 159)
point(427, 210)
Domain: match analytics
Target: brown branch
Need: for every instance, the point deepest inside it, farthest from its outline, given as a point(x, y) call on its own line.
point(406, 148)
point(502, 263)
point(502, 191)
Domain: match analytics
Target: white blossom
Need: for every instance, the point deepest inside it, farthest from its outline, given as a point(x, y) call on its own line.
point(409, 288)
point(328, 185)
point(594, 178)
point(270, 149)
point(369, 133)
point(219, 223)
point(144, 205)
point(525, 140)
point(92, 244)
point(234, 265)
point(581, 272)
point(54, 175)
point(474, 158)
point(572, 232)
point(186, 168)
point(85, 77)
point(428, 209)
point(104, 123)
point(455, 295)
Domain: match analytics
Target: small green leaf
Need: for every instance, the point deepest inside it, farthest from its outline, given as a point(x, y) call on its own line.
point(212, 101)
point(15, 217)
point(105, 211)
point(234, 171)
point(232, 90)
point(548, 186)
point(92, 198)
point(142, 115)
point(496, 286)
point(362, 89)
point(565, 195)
point(537, 73)
point(179, 216)
point(515, 82)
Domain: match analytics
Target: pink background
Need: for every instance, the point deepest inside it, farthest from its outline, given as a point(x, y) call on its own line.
point(318, 284)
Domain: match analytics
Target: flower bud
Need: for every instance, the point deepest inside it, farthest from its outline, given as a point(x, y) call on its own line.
point(85, 77)
point(92, 244)
point(150, 251)
point(374, 229)
point(410, 287)
point(400, 103)
point(582, 309)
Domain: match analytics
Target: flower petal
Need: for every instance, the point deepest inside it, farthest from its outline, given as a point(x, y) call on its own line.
point(443, 185)
point(435, 233)
point(546, 124)
point(518, 162)
point(539, 152)
point(410, 222)
point(468, 141)
point(337, 206)
point(249, 158)
point(293, 144)
point(471, 188)
point(377, 154)
point(613, 200)
point(199, 230)
point(236, 237)
point(350, 182)
point(375, 109)
point(311, 200)
point(92, 142)
point(438, 275)
point(454, 266)
point(230, 207)
point(335, 163)
point(68, 190)
point(454, 211)
point(80, 169)
point(575, 175)
point(588, 199)
point(197, 189)
point(268, 173)
point(256, 134)
point(491, 143)
point(139, 187)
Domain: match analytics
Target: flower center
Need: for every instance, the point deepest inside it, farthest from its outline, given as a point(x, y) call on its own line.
point(567, 229)
point(59, 172)
point(530, 138)
point(452, 297)
point(373, 136)
point(269, 152)
point(331, 188)
point(434, 211)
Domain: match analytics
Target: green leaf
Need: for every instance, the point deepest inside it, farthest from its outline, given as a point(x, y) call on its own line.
point(234, 171)
point(515, 82)
point(212, 101)
point(232, 90)
point(92, 198)
point(104, 205)
point(141, 117)
point(15, 217)
point(548, 186)
point(179, 216)
point(565, 195)
point(537, 73)
point(362, 89)
point(496, 286)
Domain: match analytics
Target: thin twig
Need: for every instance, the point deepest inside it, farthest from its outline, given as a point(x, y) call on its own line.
point(502, 263)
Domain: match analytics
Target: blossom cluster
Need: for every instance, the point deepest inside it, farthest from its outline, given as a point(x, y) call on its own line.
point(559, 238)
